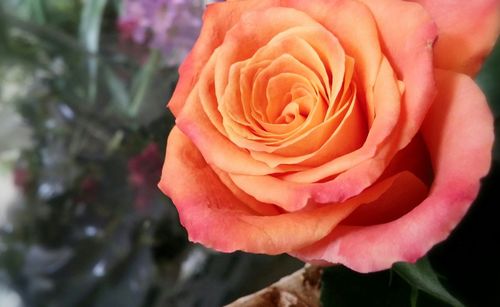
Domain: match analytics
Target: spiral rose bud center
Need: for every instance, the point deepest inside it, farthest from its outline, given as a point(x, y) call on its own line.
point(293, 100)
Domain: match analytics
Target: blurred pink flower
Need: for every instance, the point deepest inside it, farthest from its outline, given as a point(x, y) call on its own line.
point(171, 26)
point(22, 177)
point(144, 173)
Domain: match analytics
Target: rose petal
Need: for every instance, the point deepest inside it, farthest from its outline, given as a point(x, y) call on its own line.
point(387, 92)
point(414, 158)
point(408, 42)
point(214, 217)
point(216, 148)
point(458, 132)
point(217, 20)
point(359, 169)
point(348, 135)
point(361, 41)
point(412, 57)
point(468, 30)
point(243, 40)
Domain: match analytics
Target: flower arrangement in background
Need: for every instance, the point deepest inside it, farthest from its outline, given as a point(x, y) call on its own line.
point(168, 25)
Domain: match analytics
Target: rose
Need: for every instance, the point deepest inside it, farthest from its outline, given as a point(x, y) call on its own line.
point(338, 131)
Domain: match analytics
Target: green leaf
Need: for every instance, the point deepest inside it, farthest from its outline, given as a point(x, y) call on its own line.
point(44, 33)
point(422, 276)
point(117, 88)
point(342, 287)
point(90, 24)
point(37, 11)
point(118, 5)
point(142, 81)
point(89, 31)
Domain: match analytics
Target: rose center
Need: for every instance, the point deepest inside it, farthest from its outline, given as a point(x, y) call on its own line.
point(293, 99)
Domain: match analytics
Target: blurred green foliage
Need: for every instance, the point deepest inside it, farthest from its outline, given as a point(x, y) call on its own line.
point(92, 229)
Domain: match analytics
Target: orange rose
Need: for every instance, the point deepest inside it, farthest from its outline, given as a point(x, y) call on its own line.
point(338, 131)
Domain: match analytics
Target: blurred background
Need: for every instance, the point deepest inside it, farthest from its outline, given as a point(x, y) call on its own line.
point(83, 126)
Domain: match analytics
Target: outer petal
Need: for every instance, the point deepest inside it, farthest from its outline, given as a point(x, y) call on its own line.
point(468, 30)
point(215, 217)
point(458, 132)
point(408, 43)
